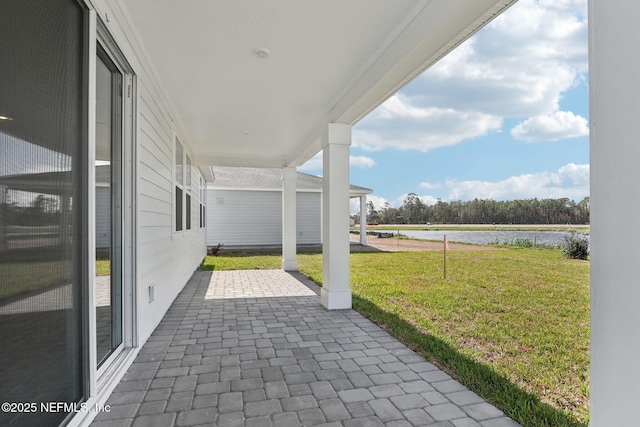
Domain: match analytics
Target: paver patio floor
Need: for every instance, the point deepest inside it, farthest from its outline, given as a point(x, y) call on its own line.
point(256, 348)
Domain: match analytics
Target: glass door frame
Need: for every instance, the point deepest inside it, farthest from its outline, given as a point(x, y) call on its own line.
point(112, 151)
point(102, 375)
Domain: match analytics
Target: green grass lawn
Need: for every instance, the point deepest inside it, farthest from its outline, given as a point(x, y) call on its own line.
point(18, 278)
point(512, 325)
point(21, 278)
point(242, 261)
point(103, 267)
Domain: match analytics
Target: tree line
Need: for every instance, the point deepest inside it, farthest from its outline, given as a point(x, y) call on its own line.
point(43, 210)
point(482, 211)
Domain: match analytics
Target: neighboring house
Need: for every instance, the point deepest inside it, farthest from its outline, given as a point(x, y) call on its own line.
point(159, 91)
point(244, 207)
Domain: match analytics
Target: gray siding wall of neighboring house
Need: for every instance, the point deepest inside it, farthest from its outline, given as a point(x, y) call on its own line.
point(309, 218)
point(244, 217)
point(247, 218)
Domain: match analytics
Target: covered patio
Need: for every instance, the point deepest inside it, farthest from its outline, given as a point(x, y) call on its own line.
point(257, 348)
point(164, 90)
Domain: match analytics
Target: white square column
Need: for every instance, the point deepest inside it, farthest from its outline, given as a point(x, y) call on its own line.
point(614, 93)
point(336, 290)
point(289, 232)
point(363, 219)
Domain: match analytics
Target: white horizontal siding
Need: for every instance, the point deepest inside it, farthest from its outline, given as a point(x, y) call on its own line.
point(244, 217)
point(149, 204)
point(308, 218)
point(166, 259)
point(247, 218)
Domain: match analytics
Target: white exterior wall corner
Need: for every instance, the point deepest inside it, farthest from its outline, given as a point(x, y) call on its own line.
point(614, 57)
point(164, 258)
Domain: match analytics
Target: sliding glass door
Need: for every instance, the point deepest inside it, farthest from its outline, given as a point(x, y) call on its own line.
point(108, 206)
point(43, 209)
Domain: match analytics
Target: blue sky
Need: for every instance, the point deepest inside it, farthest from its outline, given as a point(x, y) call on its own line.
point(504, 116)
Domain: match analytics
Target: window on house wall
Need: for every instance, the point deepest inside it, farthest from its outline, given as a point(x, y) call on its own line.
point(203, 199)
point(179, 178)
point(188, 193)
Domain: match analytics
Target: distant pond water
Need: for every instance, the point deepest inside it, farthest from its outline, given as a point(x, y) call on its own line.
point(485, 237)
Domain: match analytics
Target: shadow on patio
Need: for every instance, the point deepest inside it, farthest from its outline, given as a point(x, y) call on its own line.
point(257, 348)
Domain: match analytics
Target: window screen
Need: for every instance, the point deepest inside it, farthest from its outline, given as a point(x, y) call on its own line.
point(178, 160)
point(203, 199)
point(178, 209)
point(188, 213)
point(42, 206)
point(188, 174)
point(179, 171)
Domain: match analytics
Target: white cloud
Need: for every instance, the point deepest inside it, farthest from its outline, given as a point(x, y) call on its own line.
point(354, 206)
point(428, 200)
point(399, 201)
point(518, 66)
point(400, 125)
point(552, 127)
point(378, 201)
point(314, 164)
point(361, 161)
point(430, 185)
point(570, 181)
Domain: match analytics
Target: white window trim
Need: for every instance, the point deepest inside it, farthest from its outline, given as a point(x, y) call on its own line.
point(129, 275)
point(185, 155)
point(202, 203)
point(176, 139)
point(101, 382)
point(188, 191)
